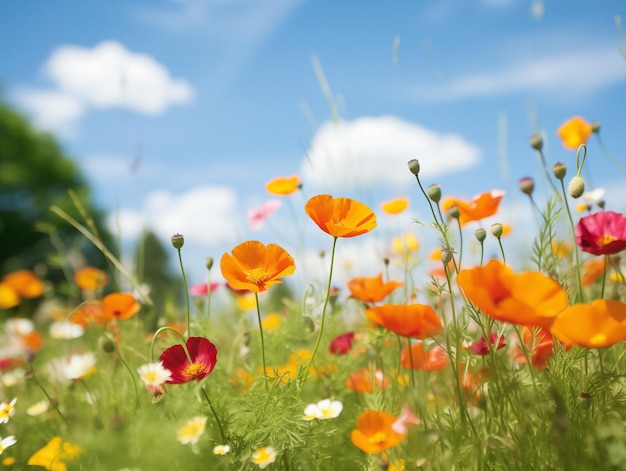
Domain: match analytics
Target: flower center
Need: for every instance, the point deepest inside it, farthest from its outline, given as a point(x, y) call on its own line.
point(598, 339)
point(256, 276)
point(194, 371)
point(378, 437)
point(606, 239)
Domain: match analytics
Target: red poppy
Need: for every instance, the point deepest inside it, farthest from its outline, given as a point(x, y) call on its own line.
point(200, 362)
point(342, 344)
point(481, 347)
point(371, 289)
point(602, 233)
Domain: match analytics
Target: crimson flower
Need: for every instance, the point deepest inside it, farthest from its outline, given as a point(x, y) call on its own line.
point(200, 362)
point(602, 233)
point(202, 289)
point(482, 348)
point(342, 344)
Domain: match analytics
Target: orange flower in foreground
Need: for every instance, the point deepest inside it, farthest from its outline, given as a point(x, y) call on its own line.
point(598, 324)
point(418, 321)
point(119, 306)
point(479, 207)
point(529, 298)
point(363, 381)
point(371, 289)
point(25, 283)
point(90, 278)
point(395, 206)
point(340, 217)
point(255, 266)
point(283, 186)
point(434, 359)
point(374, 432)
point(575, 132)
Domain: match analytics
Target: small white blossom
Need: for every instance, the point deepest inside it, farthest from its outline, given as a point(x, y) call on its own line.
point(79, 365)
point(325, 409)
point(66, 330)
point(6, 442)
point(190, 433)
point(154, 374)
point(7, 409)
point(38, 408)
point(264, 456)
point(221, 449)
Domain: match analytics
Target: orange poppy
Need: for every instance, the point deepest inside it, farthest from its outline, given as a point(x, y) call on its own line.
point(340, 217)
point(371, 289)
point(88, 311)
point(591, 270)
point(575, 132)
point(90, 278)
point(598, 324)
point(363, 381)
point(25, 283)
point(119, 306)
point(283, 186)
point(539, 343)
point(433, 359)
point(529, 298)
point(479, 207)
point(418, 321)
point(255, 266)
point(374, 432)
point(395, 206)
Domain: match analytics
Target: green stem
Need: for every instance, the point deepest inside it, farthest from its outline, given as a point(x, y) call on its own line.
point(482, 251)
point(258, 314)
point(408, 342)
point(571, 222)
point(501, 250)
point(208, 295)
point(319, 336)
point(606, 262)
point(219, 424)
point(130, 372)
point(182, 270)
point(52, 402)
point(162, 329)
point(458, 221)
point(545, 169)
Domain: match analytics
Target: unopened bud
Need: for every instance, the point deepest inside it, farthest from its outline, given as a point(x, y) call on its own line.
point(576, 187)
point(414, 166)
point(209, 263)
point(480, 234)
point(454, 212)
point(601, 204)
point(595, 127)
point(559, 170)
point(386, 261)
point(178, 241)
point(308, 323)
point(497, 229)
point(527, 185)
point(446, 256)
point(536, 141)
point(434, 193)
point(107, 343)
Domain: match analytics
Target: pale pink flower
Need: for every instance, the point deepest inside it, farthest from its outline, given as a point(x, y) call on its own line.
point(202, 289)
point(406, 418)
point(256, 216)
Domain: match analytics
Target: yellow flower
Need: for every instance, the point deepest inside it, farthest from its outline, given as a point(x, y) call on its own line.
point(246, 302)
point(283, 186)
point(575, 132)
point(264, 456)
point(55, 454)
point(395, 206)
point(190, 433)
point(405, 244)
point(271, 321)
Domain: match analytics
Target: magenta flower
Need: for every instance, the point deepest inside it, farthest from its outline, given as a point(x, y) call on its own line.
point(342, 344)
point(481, 347)
point(202, 289)
point(602, 233)
point(191, 365)
point(256, 216)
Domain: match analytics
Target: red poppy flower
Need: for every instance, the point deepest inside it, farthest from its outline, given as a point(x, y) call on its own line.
point(342, 344)
point(201, 360)
point(481, 347)
point(602, 233)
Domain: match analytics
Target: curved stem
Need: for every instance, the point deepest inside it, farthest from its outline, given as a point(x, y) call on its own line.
point(163, 329)
point(219, 424)
point(130, 372)
point(571, 222)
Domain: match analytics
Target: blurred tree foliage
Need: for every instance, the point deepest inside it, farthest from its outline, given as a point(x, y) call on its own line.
point(35, 174)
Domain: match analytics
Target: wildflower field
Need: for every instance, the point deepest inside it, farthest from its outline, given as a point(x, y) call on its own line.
point(483, 366)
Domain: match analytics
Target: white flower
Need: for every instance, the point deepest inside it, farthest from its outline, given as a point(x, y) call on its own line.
point(154, 374)
point(7, 409)
point(66, 330)
point(79, 365)
point(18, 326)
point(325, 409)
point(264, 456)
point(37, 408)
point(594, 196)
point(6, 442)
point(221, 449)
point(13, 377)
point(191, 432)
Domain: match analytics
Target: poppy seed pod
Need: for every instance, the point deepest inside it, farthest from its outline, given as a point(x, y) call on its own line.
point(209, 263)
point(497, 229)
point(414, 166)
point(434, 193)
point(527, 185)
point(595, 127)
point(454, 212)
point(480, 234)
point(576, 187)
point(559, 170)
point(178, 241)
point(536, 142)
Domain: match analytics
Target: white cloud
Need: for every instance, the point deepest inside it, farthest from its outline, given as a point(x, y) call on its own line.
point(374, 151)
point(107, 75)
point(204, 215)
point(560, 74)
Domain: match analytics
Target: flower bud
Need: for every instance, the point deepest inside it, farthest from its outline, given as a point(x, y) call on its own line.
point(527, 185)
point(309, 325)
point(454, 212)
point(601, 204)
point(536, 141)
point(595, 127)
point(480, 234)
point(446, 256)
point(434, 193)
point(107, 343)
point(178, 241)
point(209, 263)
point(414, 166)
point(497, 229)
point(386, 261)
point(576, 187)
point(559, 170)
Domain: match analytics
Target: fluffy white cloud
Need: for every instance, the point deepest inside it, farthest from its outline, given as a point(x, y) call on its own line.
point(51, 110)
point(561, 75)
point(374, 151)
point(204, 215)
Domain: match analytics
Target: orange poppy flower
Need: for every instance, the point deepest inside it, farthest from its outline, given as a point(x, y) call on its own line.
point(25, 283)
point(119, 306)
point(433, 359)
point(539, 343)
point(256, 267)
point(371, 289)
point(575, 132)
point(528, 298)
point(395, 206)
point(363, 381)
point(283, 186)
point(88, 311)
point(591, 270)
point(598, 324)
point(479, 207)
point(8, 296)
point(374, 432)
point(90, 278)
point(418, 321)
point(340, 217)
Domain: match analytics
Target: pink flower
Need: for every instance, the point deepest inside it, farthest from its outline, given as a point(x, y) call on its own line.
point(202, 289)
point(406, 418)
point(482, 348)
point(256, 216)
point(602, 233)
point(342, 344)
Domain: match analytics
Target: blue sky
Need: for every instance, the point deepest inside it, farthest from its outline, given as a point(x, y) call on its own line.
point(179, 111)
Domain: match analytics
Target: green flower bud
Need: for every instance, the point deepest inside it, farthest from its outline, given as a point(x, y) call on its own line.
point(576, 187)
point(536, 141)
point(434, 193)
point(595, 127)
point(480, 234)
point(178, 241)
point(497, 229)
point(414, 166)
point(209, 263)
point(559, 170)
point(454, 212)
point(446, 256)
point(527, 185)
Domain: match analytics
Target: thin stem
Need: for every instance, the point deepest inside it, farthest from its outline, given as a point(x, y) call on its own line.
point(319, 336)
point(545, 169)
point(258, 314)
point(182, 270)
point(571, 222)
point(610, 155)
point(458, 221)
point(606, 262)
point(162, 329)
point(219, 424)
point(408, 342)
point(130, 372)
point(208, 295)
point(482, 251)
point(501, 249)
point(52, 402)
